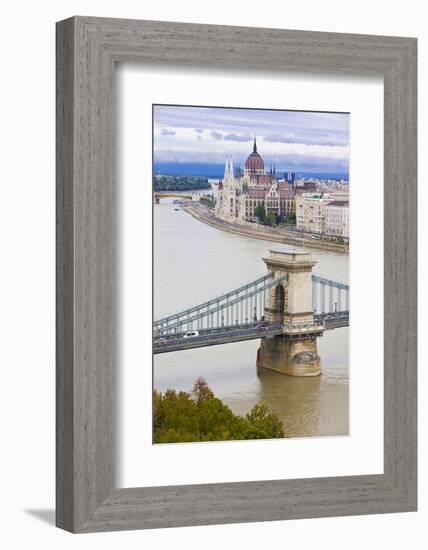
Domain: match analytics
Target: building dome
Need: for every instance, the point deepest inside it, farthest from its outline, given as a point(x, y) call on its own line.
point(254, 163)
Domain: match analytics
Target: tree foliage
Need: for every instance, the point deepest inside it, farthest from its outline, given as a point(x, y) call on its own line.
point(291, 218)
point(200, 416)
point(260, 213)
point(270, 218)
point(180, 183)
point(208, 200)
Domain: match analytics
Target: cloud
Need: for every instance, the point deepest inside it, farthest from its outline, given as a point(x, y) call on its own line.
point(216, 135)
point(238, 137)
point(199, 130)
point(199, 138)
point(304, 126)
point(314, 138)
point(167, 132)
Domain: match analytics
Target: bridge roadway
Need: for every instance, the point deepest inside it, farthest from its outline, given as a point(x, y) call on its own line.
point(331, 321)
point(214, 337)
point(240, 333)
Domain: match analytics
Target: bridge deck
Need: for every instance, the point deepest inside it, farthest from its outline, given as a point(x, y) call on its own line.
point(253, 331)
point(338, 319)
point(216, 337)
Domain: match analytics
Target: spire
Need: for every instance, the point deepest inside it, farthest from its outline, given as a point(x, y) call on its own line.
point(274, 169)
point(231, 166)
point(255, 145)
point(226, 168)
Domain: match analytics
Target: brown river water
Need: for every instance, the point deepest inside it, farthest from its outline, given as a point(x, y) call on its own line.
point(194, 262)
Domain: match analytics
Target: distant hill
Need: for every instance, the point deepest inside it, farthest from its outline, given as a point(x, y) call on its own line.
point(179, 183)
point(189, 169)
point(216, 171)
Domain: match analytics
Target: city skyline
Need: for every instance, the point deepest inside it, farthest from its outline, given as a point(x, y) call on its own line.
point(293, 140)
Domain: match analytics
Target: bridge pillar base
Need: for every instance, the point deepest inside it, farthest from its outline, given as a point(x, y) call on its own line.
point(294, 357)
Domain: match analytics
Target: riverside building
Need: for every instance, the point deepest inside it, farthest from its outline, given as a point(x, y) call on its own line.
point(337, 218)
point(323, 214)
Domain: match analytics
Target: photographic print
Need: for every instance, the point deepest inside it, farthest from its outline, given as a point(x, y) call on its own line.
point(250, 278)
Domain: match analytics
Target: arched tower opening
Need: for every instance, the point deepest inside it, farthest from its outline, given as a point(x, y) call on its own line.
point(278, 303)
point(280, 299)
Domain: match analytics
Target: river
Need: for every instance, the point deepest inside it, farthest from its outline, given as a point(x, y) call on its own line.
point(194, 262)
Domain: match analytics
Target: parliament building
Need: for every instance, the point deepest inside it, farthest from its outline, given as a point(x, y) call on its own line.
point(240, 192)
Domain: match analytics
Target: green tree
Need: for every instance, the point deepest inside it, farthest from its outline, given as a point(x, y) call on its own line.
point(265, 423)
point(208, 200)
point(260, 213)
point(201, 391)
point(270, 219)
point(200, 416)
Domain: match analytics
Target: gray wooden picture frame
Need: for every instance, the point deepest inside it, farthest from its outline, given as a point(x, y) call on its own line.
point(87, 50)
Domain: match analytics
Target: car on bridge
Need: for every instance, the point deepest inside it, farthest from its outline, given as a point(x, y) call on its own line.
point(191, 334)
point(160, 342)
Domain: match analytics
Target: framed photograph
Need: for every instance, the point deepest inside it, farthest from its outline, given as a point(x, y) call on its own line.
point(236, 274)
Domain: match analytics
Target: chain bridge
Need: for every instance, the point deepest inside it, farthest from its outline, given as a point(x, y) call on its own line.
point(288, 308)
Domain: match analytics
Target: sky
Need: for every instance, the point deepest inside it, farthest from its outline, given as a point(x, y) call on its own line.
point(293, 140)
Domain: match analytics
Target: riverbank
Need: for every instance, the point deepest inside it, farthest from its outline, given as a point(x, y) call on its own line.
point(205, 215)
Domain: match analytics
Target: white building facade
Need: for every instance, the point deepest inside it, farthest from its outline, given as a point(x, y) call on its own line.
point(322, 214)
point(310, 212)
point(337, 218)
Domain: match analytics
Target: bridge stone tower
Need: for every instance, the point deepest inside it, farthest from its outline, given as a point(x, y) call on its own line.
point(294, 352)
